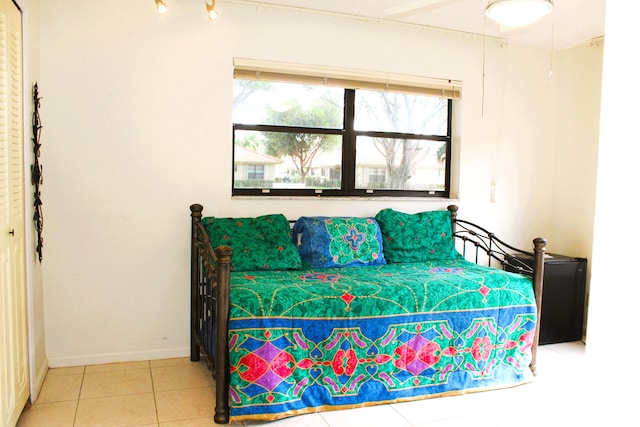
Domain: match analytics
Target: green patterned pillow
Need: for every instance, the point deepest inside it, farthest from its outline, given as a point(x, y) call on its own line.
point(424, 236)
point(260, 243)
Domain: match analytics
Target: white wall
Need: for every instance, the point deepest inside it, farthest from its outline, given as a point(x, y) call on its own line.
point(578, 77)
point(35, 294)
point(615, 293)
point(137, 119)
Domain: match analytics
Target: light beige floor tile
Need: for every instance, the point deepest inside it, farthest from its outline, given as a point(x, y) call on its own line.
point(59, 388)
point(176, 405)
point(170, 362)
point(465, 421)
point(372, 416)
point(182, 376)
point(65, 371)
point(434, 409)
point(56, 414)
point(116, 383)
point(308, 420)
point(181, 401)
point(120, 366)
point(575, 348)
point(117, 411)
point(197, 422)
point(498, 402)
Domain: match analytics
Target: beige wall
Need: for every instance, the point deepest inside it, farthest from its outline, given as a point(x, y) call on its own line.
point(137, 116)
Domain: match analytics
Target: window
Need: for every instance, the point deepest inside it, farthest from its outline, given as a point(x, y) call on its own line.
point(376, 176)
point(255, 172)
point(300, 134)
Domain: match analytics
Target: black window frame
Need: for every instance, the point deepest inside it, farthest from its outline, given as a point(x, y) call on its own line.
point(349, 137)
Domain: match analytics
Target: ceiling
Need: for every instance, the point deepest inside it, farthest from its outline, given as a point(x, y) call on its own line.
point(572, 23)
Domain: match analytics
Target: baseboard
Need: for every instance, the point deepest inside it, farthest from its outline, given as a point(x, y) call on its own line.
point(133, 356)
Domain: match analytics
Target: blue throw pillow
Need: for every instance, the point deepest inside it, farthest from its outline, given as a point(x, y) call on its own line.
point(338, 241)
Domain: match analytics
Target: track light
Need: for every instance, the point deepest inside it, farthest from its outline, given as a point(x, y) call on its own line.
point(517, 13)
point(213, 14)
point(161, 6)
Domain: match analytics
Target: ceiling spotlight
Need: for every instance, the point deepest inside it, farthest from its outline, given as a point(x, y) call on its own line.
point(161, 6)
point(517, 13)
point(213, 14)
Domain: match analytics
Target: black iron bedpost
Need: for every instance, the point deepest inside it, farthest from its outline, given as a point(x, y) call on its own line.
point(539, 245)
point(223, 255)
point(453, 210)
point(196, 216)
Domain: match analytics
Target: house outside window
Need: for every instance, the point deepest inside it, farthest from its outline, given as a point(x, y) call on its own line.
point(302, 135)
point(252, 169)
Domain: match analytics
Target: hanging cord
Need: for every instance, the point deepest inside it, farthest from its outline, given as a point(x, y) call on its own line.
point(496, 160)
point(484, 59)
point(553, 26)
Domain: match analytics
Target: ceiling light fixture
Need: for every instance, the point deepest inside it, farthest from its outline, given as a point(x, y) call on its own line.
point(517, 13)
point(161, 6)
point(213, 14)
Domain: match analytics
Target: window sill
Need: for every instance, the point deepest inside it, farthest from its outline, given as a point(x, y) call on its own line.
point(350, 198)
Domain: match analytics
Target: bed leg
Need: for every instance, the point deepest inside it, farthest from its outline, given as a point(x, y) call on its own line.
point(196, 216)
point(223, 253)
point(538, 276)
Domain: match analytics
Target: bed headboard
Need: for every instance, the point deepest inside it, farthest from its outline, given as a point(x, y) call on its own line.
point(484, 247)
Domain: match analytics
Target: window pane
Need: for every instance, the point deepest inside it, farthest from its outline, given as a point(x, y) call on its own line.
point(400, 164)
point(287, 160)
point(286, 104)
point(399, 112)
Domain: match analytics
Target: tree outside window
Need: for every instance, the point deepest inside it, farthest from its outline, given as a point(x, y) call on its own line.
point(340, 141)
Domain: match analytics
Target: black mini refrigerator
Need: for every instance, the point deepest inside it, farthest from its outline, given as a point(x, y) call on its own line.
point(563, 297)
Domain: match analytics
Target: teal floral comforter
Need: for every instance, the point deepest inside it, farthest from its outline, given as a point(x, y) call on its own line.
point(332, 338)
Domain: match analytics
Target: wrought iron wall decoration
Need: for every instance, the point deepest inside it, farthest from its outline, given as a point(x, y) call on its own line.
point(36, 169)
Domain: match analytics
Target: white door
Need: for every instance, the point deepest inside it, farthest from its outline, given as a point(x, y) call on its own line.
point(14, 362)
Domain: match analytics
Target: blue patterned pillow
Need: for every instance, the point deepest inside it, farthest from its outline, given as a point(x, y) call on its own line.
point(338, 241)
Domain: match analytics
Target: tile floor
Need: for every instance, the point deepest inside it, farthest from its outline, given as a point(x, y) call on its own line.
point(177, 392)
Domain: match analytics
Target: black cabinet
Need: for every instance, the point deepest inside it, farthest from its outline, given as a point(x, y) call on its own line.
point(563, 297)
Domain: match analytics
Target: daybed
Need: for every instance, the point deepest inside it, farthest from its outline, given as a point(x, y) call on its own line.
point(339, 312)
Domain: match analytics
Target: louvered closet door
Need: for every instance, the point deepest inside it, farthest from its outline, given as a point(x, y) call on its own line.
point(14, 364)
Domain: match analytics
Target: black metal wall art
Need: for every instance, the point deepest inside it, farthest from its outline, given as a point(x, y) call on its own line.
point(36, 169)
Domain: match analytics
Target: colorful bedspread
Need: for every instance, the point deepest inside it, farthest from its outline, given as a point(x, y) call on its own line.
point(309, 340)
